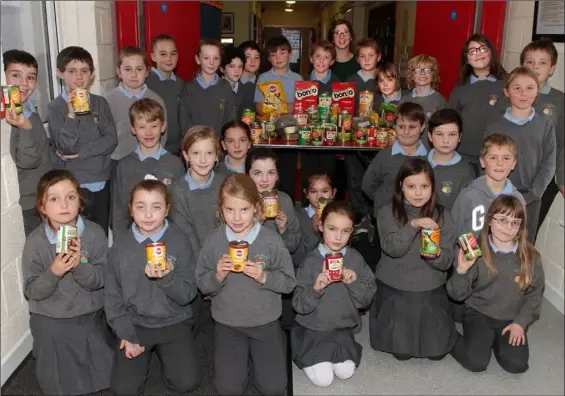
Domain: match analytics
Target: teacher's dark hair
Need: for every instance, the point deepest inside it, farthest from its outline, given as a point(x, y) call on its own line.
point(338, 22)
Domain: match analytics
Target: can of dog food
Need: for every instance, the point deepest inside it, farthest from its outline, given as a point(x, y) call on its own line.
point(80, 101)
point(238, 251)
point(270, 203)
point(64, 236)
point(156, 254)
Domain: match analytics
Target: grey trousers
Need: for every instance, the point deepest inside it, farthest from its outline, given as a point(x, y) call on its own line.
point(265, 344)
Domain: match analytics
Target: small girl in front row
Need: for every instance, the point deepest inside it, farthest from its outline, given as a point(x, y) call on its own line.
point(261, 166)
point(236, 142)
point(322, 338)
point(502, 291)
point(411, 316)
point(246, 305)
point(149, 308)
point(319, 186)
point(72, 344)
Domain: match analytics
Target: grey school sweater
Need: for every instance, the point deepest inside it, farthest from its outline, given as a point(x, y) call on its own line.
point(326, 87)
point(430, 103)
point(30, 151)
point(477, 104)
point(552, 105)
point(337, 306)
point(132, 299)
point(451, 180)
point(79, 291)
point(499, 296)
point(471, 206)
point(362, 85)
point(537, 147)
point(291, 236)
point(380, 176)
point(120, 104)
point(131, 170)
point(309, 237)
point(401, 265)
point(194, 211)
point(239, 300)
point(92, 136)
point(169, 91)
point(213, 106)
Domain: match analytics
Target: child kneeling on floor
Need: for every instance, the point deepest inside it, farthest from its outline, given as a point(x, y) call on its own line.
point(327, 302)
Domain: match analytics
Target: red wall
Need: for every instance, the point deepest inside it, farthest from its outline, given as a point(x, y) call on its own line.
point(127, 31)
point(492, 22)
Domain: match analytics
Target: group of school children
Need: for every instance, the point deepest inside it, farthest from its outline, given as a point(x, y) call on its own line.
point(160, 160)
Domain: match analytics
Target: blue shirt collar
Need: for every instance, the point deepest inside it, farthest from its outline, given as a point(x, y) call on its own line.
point(456, 158)
point(52, 235)
point(310, 211)
point(324, 250)
point(192, 185)
point(324, 80)
point(156, 155)
point(546, 89)
point(136, 96)
point(161, 75)
point(28, 109)
point(473, 79)
point(231, 169)
point(204, 84)
point(395, 99)
point(508, 188)
point(519, 121)
point(495, 249)
point(364, 77)
point(245, 79)
point(154, 238)
point(286, 75)
point(415, 95)
point(396, 149)
point(249, 238)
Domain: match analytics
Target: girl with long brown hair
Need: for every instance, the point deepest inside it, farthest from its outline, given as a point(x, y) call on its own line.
point(502, 291)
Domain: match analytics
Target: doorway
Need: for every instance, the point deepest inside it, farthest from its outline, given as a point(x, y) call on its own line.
point(382, 27)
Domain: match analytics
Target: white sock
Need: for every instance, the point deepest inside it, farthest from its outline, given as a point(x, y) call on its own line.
point(321, 374)
point(344, 370)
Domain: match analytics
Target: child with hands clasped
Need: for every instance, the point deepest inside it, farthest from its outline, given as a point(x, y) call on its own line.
point(236, 142)
point(149, 307)
point(502, 291)
point(246, 305)
point(72, 343)
point(322, 338)
point(411, 315)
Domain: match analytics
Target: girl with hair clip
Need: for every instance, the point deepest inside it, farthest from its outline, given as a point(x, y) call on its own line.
point(502, 291)
point(72, 344)
point(411, 314)
point(246, 303)
point(323, 343)
point(236, 142)
point(479, 90)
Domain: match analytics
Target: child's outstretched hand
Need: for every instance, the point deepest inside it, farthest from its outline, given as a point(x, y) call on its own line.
point(349, 276)
point(17, 120)
point(281, 221)
point(131, 350)
point(255, 271)
point(156, 273)
point(517, 336)
point(322, 281)
point(425, 223)
point(463, 264)
point(223, 268)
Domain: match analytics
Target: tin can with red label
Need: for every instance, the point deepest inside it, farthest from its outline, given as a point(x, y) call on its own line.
point(330, 134)
point(238, 251)
point(156, 255)
point(371, 136)
point(334, 266)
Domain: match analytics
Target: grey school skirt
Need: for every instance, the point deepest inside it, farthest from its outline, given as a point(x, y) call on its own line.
point(73, 356)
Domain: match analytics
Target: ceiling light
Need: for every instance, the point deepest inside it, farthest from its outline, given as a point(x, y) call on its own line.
point(288, 9)
point(290, 2)
point(349, 10)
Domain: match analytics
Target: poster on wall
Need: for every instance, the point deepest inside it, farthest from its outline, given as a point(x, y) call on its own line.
point(293, 37)
point(549, 21)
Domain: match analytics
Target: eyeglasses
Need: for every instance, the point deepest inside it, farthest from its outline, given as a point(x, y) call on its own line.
point(482, 49)
point(342, 34)
point(503, 221)
point(420, 70)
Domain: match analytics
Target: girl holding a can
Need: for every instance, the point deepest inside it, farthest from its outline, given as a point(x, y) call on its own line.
point(410, 316)
point(332, 284)
point(63, 267)
point(236, 142)
point(150, 285)
point(246, 267)
point(502, 291)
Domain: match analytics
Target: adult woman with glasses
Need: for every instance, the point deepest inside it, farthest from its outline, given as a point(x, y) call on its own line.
point(479, 94)
point(342, 36)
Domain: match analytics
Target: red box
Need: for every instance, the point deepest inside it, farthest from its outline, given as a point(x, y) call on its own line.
point(305, 94)
point(344, 95)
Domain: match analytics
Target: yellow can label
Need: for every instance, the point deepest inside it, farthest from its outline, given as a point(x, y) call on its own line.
point(270, 206)
point(80, 101)
point(238, 256)
point(156, 255)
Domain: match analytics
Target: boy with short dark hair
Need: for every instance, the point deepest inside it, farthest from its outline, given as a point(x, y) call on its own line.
point(452, 173)
point(322, 57)
point(368, 55)
point(248, 81)
point(231, 67)
point(29, 144)
point(541, 57)
point(498, 158)
point(167, 85)
point(83, 143)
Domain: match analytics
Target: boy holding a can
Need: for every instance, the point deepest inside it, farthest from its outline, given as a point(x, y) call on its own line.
point(83, 132)
point(29, 144)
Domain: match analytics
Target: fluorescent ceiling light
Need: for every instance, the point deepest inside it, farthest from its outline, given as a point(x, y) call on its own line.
point(349, 10)
point(290, 2)
point(288, 9)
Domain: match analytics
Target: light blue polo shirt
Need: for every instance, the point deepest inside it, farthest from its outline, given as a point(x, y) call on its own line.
point(288, 80)
point(519, 121)
point(162, 76)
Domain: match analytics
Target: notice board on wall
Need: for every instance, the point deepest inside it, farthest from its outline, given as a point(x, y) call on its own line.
point(549, 21)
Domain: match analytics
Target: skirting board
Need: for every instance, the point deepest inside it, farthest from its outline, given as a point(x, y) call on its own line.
point(16, 355)
point(554, 297)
